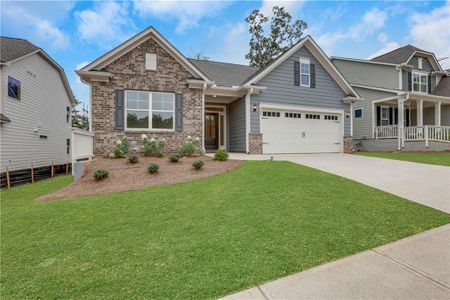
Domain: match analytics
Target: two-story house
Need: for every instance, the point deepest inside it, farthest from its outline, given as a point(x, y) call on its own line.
point(35, 107)
point(405, 100)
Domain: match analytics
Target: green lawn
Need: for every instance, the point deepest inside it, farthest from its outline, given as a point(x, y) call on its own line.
point(419, 157)
point(202, 239)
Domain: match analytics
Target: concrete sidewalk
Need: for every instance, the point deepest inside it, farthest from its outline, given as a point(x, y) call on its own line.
point(417, 267)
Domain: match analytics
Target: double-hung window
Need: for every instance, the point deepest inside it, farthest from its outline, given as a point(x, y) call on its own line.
point(305, 72)
point(384, 116)
point(419, 82)
point(149, 111)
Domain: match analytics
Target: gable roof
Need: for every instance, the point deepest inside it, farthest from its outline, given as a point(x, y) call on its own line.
point(225, 74)
point(12, 49)
point(404, 54)
point(135, 41)
point(443, 87)
point(318, 53)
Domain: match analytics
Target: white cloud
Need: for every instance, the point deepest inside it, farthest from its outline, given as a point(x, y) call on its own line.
point(372, 21)
point(430, 31)
point(105, 24)
point(290, 6)
point(41, 18)
point(187, 13)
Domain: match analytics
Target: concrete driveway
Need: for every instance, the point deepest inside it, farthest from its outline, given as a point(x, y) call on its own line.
point(422, 183)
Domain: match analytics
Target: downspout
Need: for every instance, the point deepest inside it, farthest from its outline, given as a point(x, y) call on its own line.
point(247, 120)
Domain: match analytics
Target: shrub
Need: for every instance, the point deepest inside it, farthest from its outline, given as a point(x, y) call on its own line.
point(152, 147)
point(153, 168)
point(198, 164)
point(105, 155)
point(133, 159)
point(122, 147)
point(174, 158)
point(111, 155)
point(100, 174)
point(221, 155)
point(190, 148)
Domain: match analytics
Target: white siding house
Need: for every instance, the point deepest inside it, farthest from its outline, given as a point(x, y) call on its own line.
point(37, 124)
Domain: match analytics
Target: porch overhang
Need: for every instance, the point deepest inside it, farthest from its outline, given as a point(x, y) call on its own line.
point(212, 89)
point(351, 99)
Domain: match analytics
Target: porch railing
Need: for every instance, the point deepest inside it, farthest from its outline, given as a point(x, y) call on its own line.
point(415, 133)
point(386, 132)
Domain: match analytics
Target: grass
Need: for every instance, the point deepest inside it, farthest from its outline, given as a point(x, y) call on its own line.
point(202, 239)
point(431, 158)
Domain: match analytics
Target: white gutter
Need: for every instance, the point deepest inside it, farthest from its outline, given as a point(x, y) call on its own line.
point(401, 114)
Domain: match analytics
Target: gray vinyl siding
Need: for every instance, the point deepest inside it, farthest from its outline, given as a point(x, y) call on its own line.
point(426, 67)
point(362, 127)
point(369, 74)
point(280, 89)
point(236, 132)
point(43, 102)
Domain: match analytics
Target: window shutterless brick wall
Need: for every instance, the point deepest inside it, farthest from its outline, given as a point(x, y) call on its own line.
point(129, 72)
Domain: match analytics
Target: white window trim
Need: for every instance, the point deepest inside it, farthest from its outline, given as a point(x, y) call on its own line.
point(381, 116)
point(305, 61)
point(420, 73)
point(362, 113)
point(7, 88)
point(420, 62)
point(150, 111)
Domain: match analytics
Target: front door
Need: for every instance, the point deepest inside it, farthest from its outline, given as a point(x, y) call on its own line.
point(211, 131)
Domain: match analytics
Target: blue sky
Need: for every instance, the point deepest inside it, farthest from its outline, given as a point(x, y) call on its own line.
point(75, 33)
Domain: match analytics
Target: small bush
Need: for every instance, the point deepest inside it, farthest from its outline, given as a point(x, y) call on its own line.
point(190, 148)
point(174, 158)
point(153, 168)
point(198, 164)
point(221, 155)
point(122, 147)
point(105, 155)
point(111, 155)
point(133, 159)
point(152, 147)
point(100, 174)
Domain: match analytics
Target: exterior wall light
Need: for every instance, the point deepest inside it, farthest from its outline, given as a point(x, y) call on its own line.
point(347, 114)
point(255, 108)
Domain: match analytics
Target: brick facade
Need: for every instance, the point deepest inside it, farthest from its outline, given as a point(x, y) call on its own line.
point(255, 143)
point(128, 72)
point(348, 144)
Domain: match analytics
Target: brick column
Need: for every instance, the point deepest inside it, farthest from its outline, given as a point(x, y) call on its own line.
point(255, 143)
point(348, 144)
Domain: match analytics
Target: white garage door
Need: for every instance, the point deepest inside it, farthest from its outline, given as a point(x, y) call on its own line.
point(288, 131)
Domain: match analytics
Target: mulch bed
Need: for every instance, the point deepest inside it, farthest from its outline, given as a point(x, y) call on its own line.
point(124, 176)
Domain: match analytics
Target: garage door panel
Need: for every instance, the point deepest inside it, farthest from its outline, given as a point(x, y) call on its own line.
point(300, 135)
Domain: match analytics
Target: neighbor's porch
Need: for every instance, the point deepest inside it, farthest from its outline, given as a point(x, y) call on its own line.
point(415, 118)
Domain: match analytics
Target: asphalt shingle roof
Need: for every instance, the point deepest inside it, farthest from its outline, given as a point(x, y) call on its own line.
point(443, 87)
point(397, 56)
point(12, 48)
point(225, 74)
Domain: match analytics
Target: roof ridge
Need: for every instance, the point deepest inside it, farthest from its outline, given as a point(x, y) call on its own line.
point(222, 62)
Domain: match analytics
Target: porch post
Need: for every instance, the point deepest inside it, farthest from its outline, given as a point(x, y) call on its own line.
point(203, 117)
point(400, 123)
point(351, 119)
point(437, 114)
point(419, 113)
point(247, 120)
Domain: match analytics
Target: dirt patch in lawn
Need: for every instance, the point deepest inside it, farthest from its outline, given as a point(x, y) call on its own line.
point(124, 176)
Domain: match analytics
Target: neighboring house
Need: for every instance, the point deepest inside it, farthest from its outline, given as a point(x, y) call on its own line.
point(404, 91)
point(35, 107)
point(299, 103)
